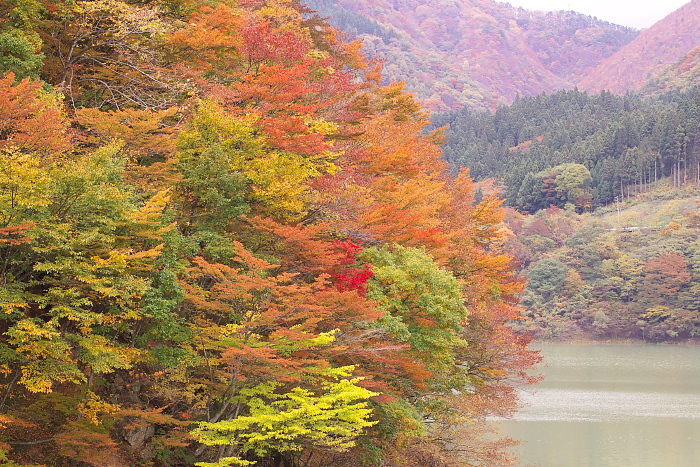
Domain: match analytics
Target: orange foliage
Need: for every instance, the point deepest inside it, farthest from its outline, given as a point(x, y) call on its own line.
point(293, 302)
point(29, 120)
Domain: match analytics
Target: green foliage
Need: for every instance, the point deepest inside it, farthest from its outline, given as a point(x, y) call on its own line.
point(213, 150)
point(19, 53)
point(627, 144)
point(423, 303)
point(84, 272)
point(20, 44)
point(547, 276)
point(572, 183)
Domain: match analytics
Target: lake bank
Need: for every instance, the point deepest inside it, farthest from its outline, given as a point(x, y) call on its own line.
point(689, 342)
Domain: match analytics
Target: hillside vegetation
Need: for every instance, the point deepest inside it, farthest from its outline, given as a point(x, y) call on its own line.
point(632, 273)
point(655, 49)
point(605, 193)
point(476, 53)
point(681, 76)
point(579, 149)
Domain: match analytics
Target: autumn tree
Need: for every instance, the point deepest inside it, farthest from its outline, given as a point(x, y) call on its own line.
point(109, 54)
point(277, 270)
point(665, 276)
point(31, 119)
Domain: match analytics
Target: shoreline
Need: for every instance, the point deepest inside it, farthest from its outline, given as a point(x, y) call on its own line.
point(583, 341)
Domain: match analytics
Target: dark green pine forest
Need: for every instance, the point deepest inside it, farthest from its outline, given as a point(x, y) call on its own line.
point(574, 148)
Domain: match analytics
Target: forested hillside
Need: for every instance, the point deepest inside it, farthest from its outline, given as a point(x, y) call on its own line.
point(655, 49)
point(605, 190)
point(681, 76)
point(628, 272)
point(224, 242)
point(579, 149)
point(476, 53)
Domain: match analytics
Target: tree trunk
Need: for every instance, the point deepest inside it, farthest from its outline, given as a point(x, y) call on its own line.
point(674, 175)
point(622, 190)
point(656, 177)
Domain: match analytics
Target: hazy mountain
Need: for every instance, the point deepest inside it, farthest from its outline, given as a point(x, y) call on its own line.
point(477, 53)
point(655, 49)
point(680, 76)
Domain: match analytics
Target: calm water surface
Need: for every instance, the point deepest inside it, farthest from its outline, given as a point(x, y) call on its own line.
point(612, 405)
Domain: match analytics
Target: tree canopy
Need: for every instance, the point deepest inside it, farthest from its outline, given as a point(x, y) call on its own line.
point(224, 242)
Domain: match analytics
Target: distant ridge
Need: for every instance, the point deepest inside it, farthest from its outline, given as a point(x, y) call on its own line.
point(476, 53)
point(655, 49)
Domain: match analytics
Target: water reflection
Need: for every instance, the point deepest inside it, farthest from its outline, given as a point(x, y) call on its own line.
point(577, 405)
point(606, 405)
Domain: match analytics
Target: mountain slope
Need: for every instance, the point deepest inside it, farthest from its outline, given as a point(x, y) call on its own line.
point(680, 76)
point(476, 53)
point(651, 52)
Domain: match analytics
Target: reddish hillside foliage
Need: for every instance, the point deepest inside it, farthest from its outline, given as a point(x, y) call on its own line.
point(680, 76)
point(651, 52)
point(477, 52)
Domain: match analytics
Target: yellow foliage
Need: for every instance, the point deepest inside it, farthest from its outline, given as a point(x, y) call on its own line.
point(671, 227)
point(23, 183)
point(280, 181)
point(319, 125)
point(93, 408)
point(282, 12)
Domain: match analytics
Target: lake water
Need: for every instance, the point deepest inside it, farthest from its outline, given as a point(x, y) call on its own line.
point(612, 405)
